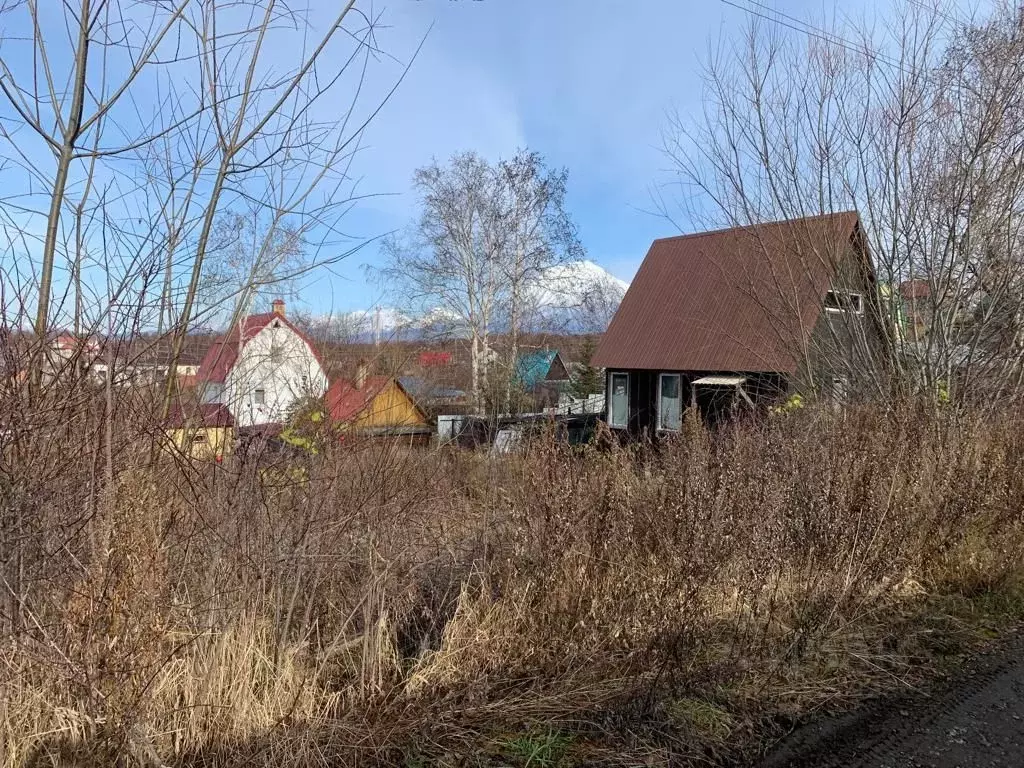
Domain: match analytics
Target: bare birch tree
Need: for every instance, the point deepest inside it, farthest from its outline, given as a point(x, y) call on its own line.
point(539, 235)
point(486, 234)
point(450, 262)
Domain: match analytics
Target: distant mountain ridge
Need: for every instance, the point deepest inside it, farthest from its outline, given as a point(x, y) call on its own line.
point(576, 297)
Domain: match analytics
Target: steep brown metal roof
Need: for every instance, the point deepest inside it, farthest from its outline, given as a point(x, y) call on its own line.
point(741, 299)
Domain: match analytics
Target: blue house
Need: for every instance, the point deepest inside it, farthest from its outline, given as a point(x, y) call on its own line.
point(542, 373)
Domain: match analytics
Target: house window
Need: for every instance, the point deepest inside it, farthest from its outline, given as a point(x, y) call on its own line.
point(213, 393)
point(276, 353)
point(200, 438)
point(670, 413)
point(260, 397)
point(842, 301)
point(618, 405)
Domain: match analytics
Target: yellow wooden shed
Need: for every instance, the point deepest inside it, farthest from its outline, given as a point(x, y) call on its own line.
point(375, 404)
point(204, 431)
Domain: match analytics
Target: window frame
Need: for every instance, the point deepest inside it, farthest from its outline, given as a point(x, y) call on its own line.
point(679, 383)
point(611, 400)
point(847, 297)
point(275, 356)
point(259, 397)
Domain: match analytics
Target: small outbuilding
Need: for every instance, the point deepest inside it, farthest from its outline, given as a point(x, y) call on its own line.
point(376, 406)
point(542, 374)
point(204, 431)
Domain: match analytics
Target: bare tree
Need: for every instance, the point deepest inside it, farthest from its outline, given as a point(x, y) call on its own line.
point(919, 129)
point(162, 119)
point(540, 234)
point(247, 255)
point(486, 235)
point(127, 132)
point(269, 148)
point(450, 262)
point(68, 116)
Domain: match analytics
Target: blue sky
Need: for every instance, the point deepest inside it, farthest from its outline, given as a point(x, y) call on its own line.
point(587, 83)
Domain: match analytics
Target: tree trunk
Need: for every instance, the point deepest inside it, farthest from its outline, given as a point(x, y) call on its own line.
point(61, 179)
point(475, 368)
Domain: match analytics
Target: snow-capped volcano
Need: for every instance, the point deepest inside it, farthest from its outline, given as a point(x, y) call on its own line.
point(388, 324)
point(573, 284)
point(579, 296)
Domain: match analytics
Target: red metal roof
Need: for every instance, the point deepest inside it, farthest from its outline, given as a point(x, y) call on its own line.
point(222, 354)
point(199, 415)
point(68, 342)
point(345, 402)
point(428, 359)
point(740, 299)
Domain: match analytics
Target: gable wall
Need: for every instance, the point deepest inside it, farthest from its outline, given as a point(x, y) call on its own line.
point(846, 344)
point(285, 375)
point(391, 408)
point(557, 371)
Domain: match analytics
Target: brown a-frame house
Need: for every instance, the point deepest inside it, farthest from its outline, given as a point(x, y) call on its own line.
point(741, 317)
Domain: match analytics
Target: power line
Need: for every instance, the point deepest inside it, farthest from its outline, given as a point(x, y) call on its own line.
point(934, 9)
point(803, 27)
point(798, 25)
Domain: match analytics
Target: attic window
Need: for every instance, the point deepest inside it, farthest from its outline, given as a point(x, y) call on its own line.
point(277, 324)
point(842, 301)
point(260, 396)
point(276, 353)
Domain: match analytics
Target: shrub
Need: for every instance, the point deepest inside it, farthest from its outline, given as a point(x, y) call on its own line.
point(607, 605)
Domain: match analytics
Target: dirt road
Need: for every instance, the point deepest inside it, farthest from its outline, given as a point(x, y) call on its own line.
point(975, 720)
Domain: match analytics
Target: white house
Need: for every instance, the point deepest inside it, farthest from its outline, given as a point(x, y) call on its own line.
point(261, 368)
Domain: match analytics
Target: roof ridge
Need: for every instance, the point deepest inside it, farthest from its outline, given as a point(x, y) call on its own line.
point(743, 227)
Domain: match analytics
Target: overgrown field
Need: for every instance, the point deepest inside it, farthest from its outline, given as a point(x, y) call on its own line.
point(612, 606)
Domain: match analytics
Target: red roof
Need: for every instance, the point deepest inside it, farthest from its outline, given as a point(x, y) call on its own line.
point(737, 299)
point(68, 341)
point(915, 289)
point(222, 354)
point(429, 359)
point(201, 415)
point(345, 402)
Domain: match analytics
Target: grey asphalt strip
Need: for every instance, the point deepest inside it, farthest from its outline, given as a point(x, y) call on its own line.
point(974, 720)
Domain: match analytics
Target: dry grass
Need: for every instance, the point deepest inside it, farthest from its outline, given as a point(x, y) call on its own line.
point(607, 606)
